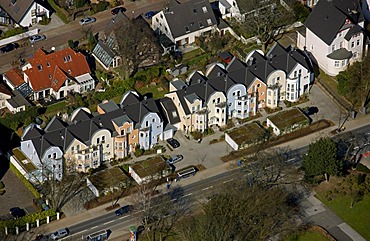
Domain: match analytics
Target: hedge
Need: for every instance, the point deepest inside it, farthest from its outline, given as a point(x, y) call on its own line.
point(29, 218)
point(25, 181)
point(59, 11)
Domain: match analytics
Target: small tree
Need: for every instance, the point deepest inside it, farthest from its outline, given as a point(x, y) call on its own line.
point(321, 159)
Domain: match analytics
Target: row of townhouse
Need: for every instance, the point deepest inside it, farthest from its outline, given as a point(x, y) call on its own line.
point(86, 140)
point(240, 88)
point(51, 74)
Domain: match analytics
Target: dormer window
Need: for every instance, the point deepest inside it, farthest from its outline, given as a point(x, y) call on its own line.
point(47, 64)
point(200, 24)
point(187, 29)
point(65, 59)
point(204, 9)
point(69, 71)
point(14, 2)
point(69, 58)
point(49, 76)
point(39, 67)
point(209, 21)
point(194, 10)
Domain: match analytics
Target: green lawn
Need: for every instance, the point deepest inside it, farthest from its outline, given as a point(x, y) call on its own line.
point(308, 235)
point(55, 107)
point(357, 217)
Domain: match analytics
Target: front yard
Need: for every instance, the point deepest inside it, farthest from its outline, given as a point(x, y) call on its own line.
point(336, 195)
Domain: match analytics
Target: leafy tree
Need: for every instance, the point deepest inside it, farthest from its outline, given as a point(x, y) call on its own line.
point(264, 19)
point(301, 12)
point(242, 212)
point(354, 83)
point(321, 159)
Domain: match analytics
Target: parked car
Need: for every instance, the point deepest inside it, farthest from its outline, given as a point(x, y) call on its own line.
point(124, 210)
point(150, 14)
point(173, 143)
point(61, 233)
point(9, 47)
point(87, 20)
point(311, 110)
point(17, 212)
point(37, 38)
point(175, 158)
point(115, 11)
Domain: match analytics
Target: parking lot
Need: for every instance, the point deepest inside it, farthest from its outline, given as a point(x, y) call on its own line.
point(16, 195)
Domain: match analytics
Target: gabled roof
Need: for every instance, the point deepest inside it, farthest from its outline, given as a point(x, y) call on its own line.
point(16, 9)
point(15, 76)
point(103, 53)
point(169, 110)
point(55, 124)
point(17, 100)
point(4, 90)
point(119, 121)
point(50, 70)
point(108, 106)
point(332, 14)
point(188, 17)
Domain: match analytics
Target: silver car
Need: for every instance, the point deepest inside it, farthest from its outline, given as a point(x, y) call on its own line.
point(61, 233)
point(87, 20)
point(175, 158)
point(37, 38)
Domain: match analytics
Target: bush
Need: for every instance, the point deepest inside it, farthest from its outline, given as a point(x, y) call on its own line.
point(139, 152)
point(100, 7)
point(29, 218)
point(300, 11)
point(14, 31)
point(45, 20)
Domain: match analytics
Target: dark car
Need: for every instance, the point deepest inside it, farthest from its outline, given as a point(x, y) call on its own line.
point(115, 11)
point(175, 158)
point(124, 210)
point(150, 14)
point(17, 212)
point(7, 48)
point(312, 110)
point(173, 143)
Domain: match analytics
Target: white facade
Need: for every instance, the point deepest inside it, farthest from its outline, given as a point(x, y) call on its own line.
point(33, 15)
point(151, 131)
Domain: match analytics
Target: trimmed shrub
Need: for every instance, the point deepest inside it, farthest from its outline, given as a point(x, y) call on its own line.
point(139, 152)
point(29, 218)
point(25, 181)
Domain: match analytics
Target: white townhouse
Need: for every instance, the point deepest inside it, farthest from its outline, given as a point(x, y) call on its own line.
point(24, 13)
point(229, 9)
point(183, 22)
point(333, 34)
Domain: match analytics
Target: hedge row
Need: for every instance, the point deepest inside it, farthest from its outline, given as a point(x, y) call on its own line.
point(29, 218)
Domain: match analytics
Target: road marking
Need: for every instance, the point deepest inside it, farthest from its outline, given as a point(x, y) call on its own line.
point(108, 222)
point(207, 188)
point(124, 217)
point(188, 195)
point(228, 180)
point(94, 227)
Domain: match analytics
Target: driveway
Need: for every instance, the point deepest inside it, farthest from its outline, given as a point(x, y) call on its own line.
point(16, 195)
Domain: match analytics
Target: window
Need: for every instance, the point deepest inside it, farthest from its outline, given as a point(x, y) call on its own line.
point(54, 155)
point(200, 24)
point(278, 78)
point(352, 44)
point(39, 67)
point(98, 140)
point(343, 62)
point(358, 42)
point(354, 55)
point(128, 129)
point(341, 44)
point(153, 120)
point(192, 108)
point(47, 64)
point(65, 59)
point(336, 64)
point(103, 138)
point(187, 29)
point(217, 110)
point(333, 48)
point(269, 101)
point(209, 21)
point(204, 9)
point(69, 58)
point(147, 123)
point(73, 149)
point(269, 93)
point(122, 132)
point(218, 100)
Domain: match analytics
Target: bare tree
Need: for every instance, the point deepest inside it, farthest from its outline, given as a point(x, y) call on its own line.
point(242, 212)
point(137, 45)
point(264, 19)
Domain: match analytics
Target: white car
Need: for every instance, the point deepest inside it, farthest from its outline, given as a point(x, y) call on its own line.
point(61, 233)
point(37, 38)
point(175, 158)
point(87, 20)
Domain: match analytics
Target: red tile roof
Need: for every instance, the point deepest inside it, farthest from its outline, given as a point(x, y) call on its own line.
point(50, 70)
point(15, 76)
point(4, 89)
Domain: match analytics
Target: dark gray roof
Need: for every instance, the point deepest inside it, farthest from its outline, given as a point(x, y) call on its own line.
point(55, 124)
point(108, 106)
point(116, 22)
point(195, 78)
point(129, 98)
point(120, 120)
point(165, 41)
point(216, 71)
point(354, 30)
point(169, 111)
point(191, 97)
point(18, 10)
point(178, 84)
point(340, 54)
point(17, 100)
point(188, 17)
point(328, 17)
